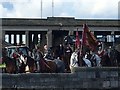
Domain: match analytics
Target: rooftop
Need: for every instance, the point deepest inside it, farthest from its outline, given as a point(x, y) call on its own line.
point(59, 21)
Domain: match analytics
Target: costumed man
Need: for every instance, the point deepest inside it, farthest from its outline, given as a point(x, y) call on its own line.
point(16, 56)
point(68, 53)
point(47, 53)
point(60, 52)
point(36, 56)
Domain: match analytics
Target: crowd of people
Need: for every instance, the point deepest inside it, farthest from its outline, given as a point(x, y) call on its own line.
point(66, 57)
point(73, 58)
point(52, 53)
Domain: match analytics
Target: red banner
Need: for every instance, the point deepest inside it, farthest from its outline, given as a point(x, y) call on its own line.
point(77, 41)
point(88, 38)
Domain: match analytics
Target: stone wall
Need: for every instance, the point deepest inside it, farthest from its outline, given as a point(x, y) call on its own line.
point(79, 79)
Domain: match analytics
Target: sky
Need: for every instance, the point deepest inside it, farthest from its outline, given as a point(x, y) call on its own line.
point(80, 9)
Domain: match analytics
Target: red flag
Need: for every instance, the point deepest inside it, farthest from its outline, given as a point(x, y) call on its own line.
point(77, 41)
point(88, 38)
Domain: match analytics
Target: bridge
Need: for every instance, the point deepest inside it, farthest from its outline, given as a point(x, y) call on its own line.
point(31, 31)
point(51, 30)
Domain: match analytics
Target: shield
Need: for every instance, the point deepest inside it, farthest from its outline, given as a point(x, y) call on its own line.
point(118, 47)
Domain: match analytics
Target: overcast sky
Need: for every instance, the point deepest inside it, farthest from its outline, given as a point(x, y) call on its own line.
point(82, 9)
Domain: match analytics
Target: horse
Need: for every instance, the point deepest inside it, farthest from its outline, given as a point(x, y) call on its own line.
point(23, 63)
point(31, 64)
point(105, 60)
point(63, 53)
point(60, 65)
point(41, 64)
point(76, 60)
point(54, 65)
point(10, 64)
point(47, 66)
point(118, 58)
point(95, 60)
point(115, 57)
point(110, 58)
point(27, 64)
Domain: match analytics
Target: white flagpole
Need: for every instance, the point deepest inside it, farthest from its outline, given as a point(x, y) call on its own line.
point(52, 8)
point(41, 8)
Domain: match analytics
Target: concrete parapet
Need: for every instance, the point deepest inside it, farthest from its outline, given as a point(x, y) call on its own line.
point(79, 79)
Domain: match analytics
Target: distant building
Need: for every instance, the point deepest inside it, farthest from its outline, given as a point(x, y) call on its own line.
point(52, 30)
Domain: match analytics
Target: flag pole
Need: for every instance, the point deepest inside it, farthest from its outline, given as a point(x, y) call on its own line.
point(76, 47)
point(81, 47)
point(52, 8)
point(80, 51)
point(41, 9)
